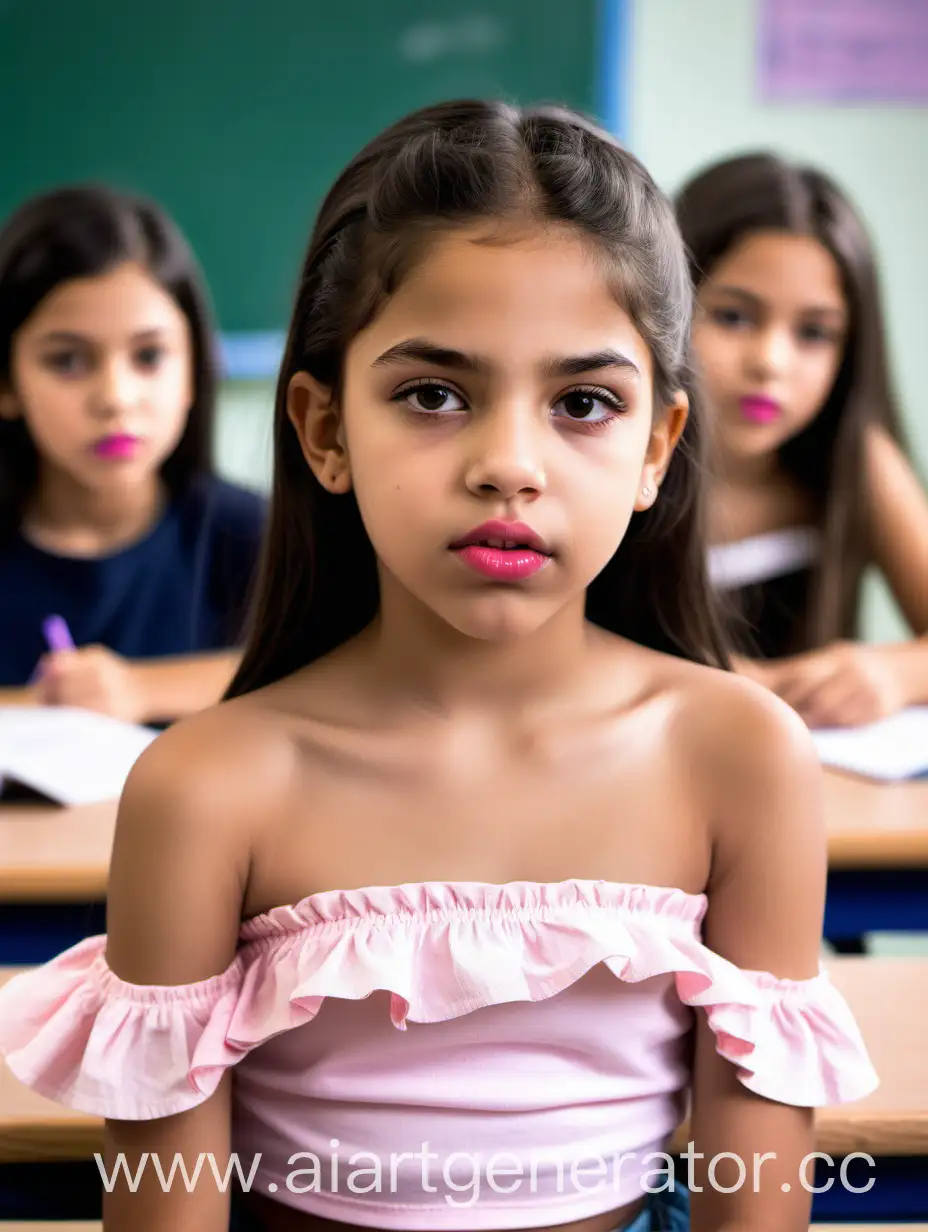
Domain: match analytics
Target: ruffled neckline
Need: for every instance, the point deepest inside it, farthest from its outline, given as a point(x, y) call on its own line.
point(436, 900)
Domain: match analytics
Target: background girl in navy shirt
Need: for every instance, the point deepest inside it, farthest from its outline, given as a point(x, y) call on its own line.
point(110, 515)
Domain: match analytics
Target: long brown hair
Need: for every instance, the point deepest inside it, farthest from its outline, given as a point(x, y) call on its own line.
point(442, 167)
point(757, 192)
point(80, 232)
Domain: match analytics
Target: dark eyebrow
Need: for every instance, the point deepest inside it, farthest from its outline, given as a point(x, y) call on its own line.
point(70, 335)
point(576, 365)
point(427, 353)
point(819, 310)
point(740, 293)
point(444, 357)
point(65, 335)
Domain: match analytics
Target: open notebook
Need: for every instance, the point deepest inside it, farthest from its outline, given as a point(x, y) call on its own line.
point(71, 756)
point(892, 749)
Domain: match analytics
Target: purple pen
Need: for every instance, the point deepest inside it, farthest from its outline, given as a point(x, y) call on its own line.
point(57, 634)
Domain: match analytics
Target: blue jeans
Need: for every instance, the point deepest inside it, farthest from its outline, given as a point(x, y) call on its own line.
point(665, 1212)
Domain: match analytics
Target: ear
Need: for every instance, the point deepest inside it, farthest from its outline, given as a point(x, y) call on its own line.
point(665, 433)
point(314, 415)
point(9, 407)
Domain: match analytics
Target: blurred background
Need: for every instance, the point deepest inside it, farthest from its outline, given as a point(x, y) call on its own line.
point(237, 115)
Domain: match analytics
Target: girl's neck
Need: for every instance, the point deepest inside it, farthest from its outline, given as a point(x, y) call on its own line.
point(423, 658)
point(756, 496)
point(66, 517)
point(737, 471)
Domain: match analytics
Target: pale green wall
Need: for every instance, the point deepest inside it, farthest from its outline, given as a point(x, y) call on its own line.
point(693, 100)
point(243, 436)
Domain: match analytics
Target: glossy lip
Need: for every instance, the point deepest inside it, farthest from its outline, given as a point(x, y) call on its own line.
point(524, 553)
point(512, 534)
point(760, 409)
point(119, 445)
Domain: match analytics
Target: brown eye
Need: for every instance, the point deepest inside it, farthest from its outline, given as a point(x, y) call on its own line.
point(589, 405)
point(579, 405)
point(149, 356)
point(730, 318)
point(431, 398)
point(67, 363)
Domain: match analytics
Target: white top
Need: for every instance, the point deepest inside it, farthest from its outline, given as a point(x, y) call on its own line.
point(762, 557)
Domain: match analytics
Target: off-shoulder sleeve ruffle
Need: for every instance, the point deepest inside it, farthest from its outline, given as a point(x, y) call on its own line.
point(78, 1034)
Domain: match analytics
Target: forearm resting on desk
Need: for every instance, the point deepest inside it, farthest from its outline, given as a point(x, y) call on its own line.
point(19, 697)
point(173, 688)
point(910, 663)
point(136, 690)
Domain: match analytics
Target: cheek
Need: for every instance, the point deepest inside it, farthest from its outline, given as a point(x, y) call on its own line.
point(172, 390)
point(717, 353)
point(819, 373)
point(53, 409)
point(599, 485)
point(396, 480)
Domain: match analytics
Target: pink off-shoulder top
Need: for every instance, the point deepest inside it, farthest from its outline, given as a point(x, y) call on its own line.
point(440, 1055)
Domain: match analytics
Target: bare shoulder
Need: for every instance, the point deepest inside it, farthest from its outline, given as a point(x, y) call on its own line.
point(739, 742)
point(214, 767)
point(893, 485)
point(882, 450)
point(755, 773)
point(740, 728)
point(187, 826)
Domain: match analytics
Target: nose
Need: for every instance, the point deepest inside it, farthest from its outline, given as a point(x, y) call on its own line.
point(506, 455)
point(771, 353)
point(118, 388)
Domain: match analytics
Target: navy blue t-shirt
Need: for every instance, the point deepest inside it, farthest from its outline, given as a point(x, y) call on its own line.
point(180, 590)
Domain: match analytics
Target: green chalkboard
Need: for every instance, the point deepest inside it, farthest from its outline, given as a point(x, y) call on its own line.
point(237, 114)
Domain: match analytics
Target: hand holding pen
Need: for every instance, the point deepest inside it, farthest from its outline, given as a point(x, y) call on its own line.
point(89, 677)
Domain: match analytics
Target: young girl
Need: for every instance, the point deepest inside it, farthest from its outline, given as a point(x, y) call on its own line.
point(111, 521)
point(812, 484)
point(486, 866)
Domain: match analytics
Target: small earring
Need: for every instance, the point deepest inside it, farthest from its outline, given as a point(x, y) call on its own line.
point(645, 491)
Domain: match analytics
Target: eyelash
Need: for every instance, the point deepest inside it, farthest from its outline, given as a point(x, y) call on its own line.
point(64, 362)
point(606, 396)
point(612, 401)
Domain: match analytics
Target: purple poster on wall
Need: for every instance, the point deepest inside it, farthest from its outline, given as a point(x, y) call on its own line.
point(846, 51)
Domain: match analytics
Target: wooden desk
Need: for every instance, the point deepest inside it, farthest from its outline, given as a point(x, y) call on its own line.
point(55, 854)
point(876, 825)
point(877, 856)
point(53, 872)
point(85, 1227)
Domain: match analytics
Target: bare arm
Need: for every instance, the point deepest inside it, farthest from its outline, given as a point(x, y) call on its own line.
point(766, 901)
point(180, 865)
point(141, 690)
point(849, 683)
point(19, 697)
point(899, 531)
point(175, 688)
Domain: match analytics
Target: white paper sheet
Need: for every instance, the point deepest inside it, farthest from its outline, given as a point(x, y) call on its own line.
point(72, 756)
point(893, 749)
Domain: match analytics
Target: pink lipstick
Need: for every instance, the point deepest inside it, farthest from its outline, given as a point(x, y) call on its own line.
point(503, 551)
point(760, 410)
point(118, 447)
